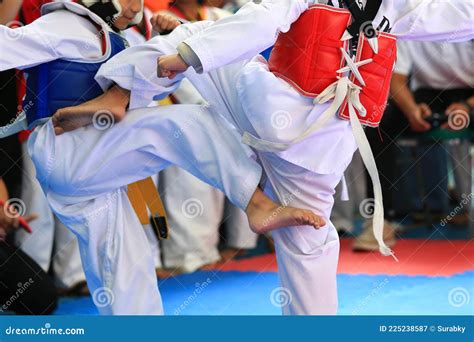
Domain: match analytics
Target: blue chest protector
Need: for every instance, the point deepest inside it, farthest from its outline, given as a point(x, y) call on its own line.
point(62, 83)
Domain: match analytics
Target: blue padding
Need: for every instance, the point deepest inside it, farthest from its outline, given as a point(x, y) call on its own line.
point(249, 293)
point(61, 83)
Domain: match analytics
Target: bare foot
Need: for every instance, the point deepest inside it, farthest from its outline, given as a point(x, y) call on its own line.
point(265, 215)
point(102, 111)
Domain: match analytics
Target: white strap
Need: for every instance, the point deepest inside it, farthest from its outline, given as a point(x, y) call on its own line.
point(353, 66)
point(369, 162)
point(19, 124)
point(337, 90)
point(344, 190)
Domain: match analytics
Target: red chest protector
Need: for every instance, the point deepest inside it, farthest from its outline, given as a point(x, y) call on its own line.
point(309, 57)
point(313, 58)
point(377, 76)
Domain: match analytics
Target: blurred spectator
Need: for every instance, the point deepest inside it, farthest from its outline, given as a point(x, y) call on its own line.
point(51, 245)
point(440, 94)
point(9, 10)
point(24, 287)
point(234, 5)
point(345, 209)
point(157, 5)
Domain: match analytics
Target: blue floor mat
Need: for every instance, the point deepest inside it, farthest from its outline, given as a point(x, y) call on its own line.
point(250, 293)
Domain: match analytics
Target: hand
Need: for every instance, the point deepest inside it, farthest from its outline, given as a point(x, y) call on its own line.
point(458, 116)
point(163, 22)
point(170, 66)
point(416, 118)
point(10, 220)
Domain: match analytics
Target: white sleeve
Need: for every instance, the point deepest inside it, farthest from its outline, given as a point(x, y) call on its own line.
point(24, 47)
point(61, 34)
point(250, 31)
point(404, 62)
point(427, 20)
point(135, 68)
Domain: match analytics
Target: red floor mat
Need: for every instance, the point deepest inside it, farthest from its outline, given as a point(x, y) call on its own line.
point(416, 257)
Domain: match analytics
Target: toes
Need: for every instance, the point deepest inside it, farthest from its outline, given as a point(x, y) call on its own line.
point(315, 220)
point(321, 222)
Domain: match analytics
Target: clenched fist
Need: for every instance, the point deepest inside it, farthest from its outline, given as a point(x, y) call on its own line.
point(164, 22)
point(171, 65)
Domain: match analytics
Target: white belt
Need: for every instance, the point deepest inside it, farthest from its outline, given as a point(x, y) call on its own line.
point(19, 124)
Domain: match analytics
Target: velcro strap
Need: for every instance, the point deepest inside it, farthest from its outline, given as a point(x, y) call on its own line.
point(144, 194)
point(363, 18)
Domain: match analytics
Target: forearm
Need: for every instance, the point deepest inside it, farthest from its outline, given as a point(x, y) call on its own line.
point(23, 47)
point(427, 20)
point(402, 95)
point(251, 30)
point(3, 191)
point(9, 10)
point(135, 68)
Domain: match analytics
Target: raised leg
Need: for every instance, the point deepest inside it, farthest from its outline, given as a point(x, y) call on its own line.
point(307, 258)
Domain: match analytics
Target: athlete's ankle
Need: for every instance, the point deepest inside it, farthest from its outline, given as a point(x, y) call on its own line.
point(117, 100)
point(120, 94)
point(260, 201)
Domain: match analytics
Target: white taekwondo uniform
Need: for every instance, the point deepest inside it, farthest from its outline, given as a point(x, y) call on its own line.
point(195, 236)
point(50, 244)
point(87, 195)
point(253, 100)
point(84, 172)
point(135, 37)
